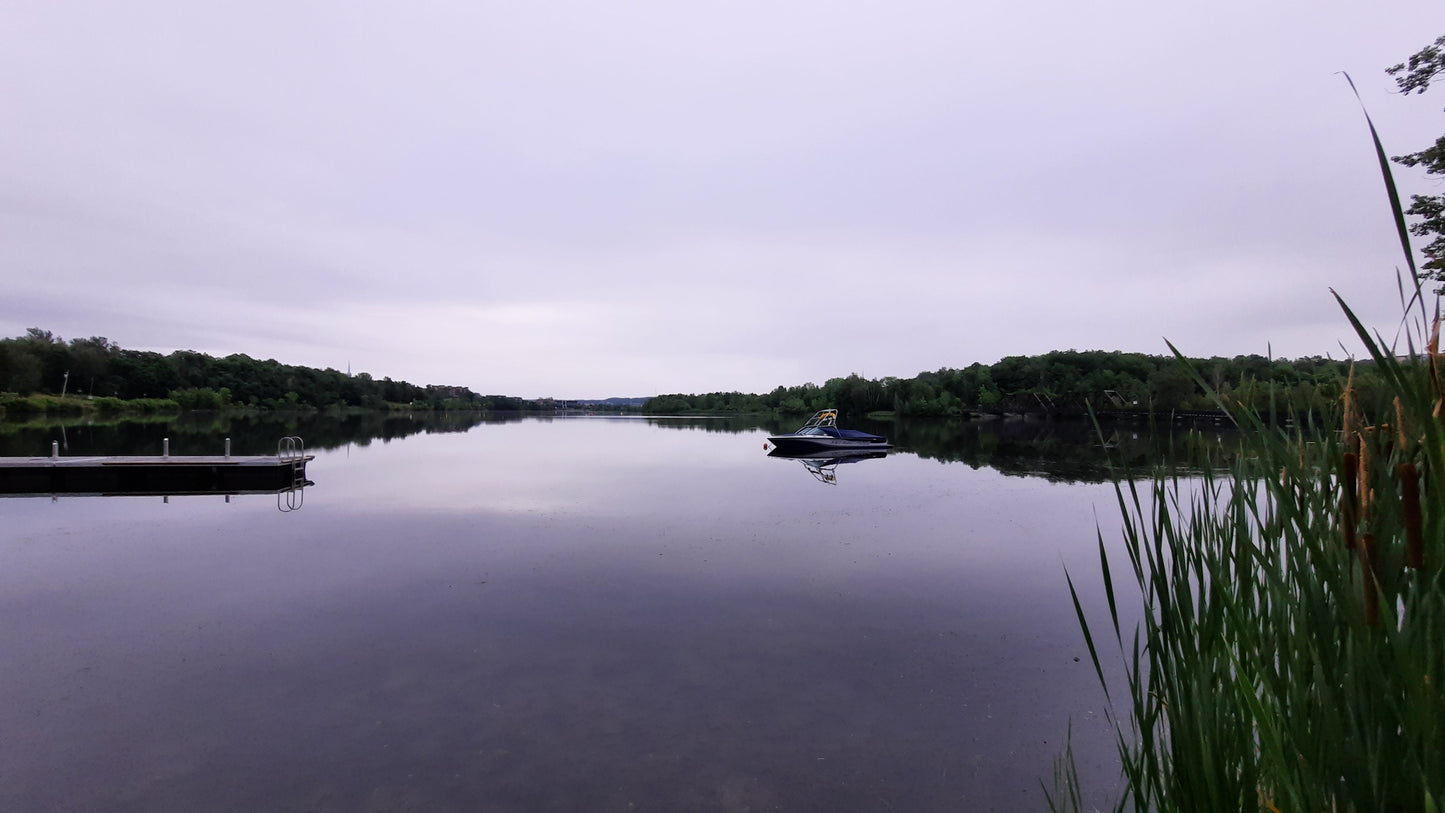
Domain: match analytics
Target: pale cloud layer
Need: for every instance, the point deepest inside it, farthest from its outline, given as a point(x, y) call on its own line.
point(584, 200)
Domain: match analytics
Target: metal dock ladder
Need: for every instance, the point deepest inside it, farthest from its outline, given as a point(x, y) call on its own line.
point(293, 449)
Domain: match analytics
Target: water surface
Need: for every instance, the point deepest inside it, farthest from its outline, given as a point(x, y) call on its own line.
point(584, 614)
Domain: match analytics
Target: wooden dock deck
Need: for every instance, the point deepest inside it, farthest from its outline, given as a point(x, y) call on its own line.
point(158, 474)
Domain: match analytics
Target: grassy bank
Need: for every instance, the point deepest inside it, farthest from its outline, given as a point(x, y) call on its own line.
point(1293, 640)
point(18, 408)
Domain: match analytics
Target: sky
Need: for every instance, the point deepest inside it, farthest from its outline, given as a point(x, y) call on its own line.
point(585, 200)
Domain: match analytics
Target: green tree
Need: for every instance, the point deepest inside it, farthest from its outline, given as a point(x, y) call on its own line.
point(988, 395)
point(19, 369)
point(90, 364)
point(1414, 76)
point(1171, 388)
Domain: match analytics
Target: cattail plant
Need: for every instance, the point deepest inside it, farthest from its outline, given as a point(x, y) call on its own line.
point(1291, 650)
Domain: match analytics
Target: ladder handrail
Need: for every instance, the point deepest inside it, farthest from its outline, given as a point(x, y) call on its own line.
point(290, 448)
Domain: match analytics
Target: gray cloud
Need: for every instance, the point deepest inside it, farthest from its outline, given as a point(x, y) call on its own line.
point(581, 199)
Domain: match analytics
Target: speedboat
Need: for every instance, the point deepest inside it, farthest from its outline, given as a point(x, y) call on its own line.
point(821, 433)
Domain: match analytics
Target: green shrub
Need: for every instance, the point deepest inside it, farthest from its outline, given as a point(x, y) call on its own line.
point(202, 398)
point(152, 405)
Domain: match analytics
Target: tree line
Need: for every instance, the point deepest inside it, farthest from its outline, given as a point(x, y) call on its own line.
point(1059, 382)
point(1068, 381)
point(42, 363)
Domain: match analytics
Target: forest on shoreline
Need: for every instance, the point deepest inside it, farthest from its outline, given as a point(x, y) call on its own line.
point(1069, 382)
point(37, 369)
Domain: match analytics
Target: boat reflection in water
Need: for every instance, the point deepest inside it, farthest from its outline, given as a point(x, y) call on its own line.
point(823, 465)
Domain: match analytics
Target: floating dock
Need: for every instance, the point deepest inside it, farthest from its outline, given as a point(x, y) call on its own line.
point(162, 474)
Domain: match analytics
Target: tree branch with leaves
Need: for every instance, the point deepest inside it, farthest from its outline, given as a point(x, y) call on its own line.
point(1415, 76)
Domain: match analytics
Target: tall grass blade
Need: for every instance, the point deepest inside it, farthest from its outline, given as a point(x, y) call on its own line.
point(1088, 637)
point(1395, 208)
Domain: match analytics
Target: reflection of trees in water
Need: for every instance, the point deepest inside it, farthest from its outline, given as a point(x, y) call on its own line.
point(1067, 450)
point(1060, 450)
point(737, 424)
point(730, 424)
point(250, 433)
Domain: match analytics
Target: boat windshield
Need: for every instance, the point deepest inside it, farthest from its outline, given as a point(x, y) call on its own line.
point(823, 418)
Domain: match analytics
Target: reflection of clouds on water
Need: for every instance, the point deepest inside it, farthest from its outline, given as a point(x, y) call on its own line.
point(543, 466)
point(550, 613)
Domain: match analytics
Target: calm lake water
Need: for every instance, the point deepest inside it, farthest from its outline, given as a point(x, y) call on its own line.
point(582, 614)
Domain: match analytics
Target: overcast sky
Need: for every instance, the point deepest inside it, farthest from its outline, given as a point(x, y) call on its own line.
point(627, 198)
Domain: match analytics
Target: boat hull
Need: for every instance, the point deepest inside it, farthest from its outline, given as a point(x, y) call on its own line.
point(823, 443)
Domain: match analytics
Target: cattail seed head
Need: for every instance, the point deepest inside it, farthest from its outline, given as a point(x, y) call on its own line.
point(1435, 372)
point(1400, 425)
point(1364, 482)
point(1348, 511)
point(1349, 410)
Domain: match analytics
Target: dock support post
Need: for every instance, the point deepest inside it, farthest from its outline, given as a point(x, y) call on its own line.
point(165, 447)
point(228, 450)
point(54, 449)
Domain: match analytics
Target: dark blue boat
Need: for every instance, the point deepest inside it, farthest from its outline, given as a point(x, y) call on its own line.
point(821, 433)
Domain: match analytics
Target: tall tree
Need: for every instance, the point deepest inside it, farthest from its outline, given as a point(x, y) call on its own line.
point(1414, 76)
